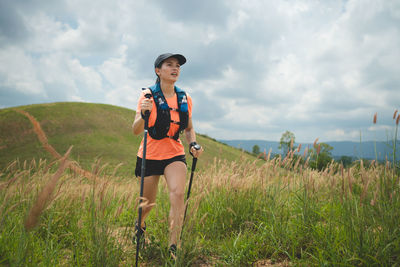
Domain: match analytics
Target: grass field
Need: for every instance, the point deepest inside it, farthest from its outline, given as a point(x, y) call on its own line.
point(241, 213)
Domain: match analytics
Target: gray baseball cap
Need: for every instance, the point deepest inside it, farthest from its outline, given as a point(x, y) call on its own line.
point(181, 59)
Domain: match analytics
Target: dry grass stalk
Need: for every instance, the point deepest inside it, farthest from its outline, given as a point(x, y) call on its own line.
point(342, 174)
point(365, 188)
point(201, 221)
point(372, 163)
point(306, 163)
point(333, 167)
point(387, 165)
point(42, 163)
point(373, 201)
point(83, 198)
point(285, 159)
point(116, 168)
point(44, 141)
point(119, 210)
point(195, 201)
point(398, 119)
point(45, 194)
point(265, 154)
point(269, 154)
point(101, 195)
point(12, 180)
point(349, 181)
point(309, 182)
point(96, 167)
point(333, 182)
point(56, 195)
point(10, 209)
point(145, 203)
point(32, 165)
point(297, 163)
point(279, 160)
point(75, 168)
point(47, 167)
point(395, 113)
point(315, 143)
point(325, 172)
point(3, 206)
point(291, 154)
point(12, 167)
point(375, 115)
point(40, 134)
point(305, 152)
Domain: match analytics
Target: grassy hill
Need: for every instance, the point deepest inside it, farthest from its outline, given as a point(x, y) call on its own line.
point(278, 213)
point(97, 131)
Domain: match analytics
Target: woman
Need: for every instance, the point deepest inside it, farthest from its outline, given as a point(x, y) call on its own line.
point(165, 153)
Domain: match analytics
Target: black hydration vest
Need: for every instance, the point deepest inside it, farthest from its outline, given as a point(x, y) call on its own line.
point(163, 121)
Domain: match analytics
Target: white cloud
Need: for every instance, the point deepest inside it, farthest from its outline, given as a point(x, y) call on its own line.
point(376, 128)
point(19, 71)
point(123, 85)
point(337, 134)
point(316, 68)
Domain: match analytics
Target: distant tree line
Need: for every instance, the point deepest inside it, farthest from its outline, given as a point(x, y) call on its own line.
point(320, 155)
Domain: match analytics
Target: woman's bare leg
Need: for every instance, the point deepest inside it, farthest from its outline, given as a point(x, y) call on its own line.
point(150, 188)
point(175, 176)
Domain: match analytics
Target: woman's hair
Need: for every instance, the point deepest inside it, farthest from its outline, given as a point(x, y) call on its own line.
point(159, 67)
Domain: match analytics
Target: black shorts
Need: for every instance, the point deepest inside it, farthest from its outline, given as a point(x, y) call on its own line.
point(155, 167)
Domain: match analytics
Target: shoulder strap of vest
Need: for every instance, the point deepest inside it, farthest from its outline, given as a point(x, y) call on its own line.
point(182, 100)
point(158, 96)
point(183, 111)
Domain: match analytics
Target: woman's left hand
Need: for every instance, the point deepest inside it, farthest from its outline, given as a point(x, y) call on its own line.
point(196, 152)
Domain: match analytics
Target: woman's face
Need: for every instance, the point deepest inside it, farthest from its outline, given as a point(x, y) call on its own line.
point(169, 70)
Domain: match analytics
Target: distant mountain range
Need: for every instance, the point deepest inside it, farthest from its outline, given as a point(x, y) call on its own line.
point(340, 148)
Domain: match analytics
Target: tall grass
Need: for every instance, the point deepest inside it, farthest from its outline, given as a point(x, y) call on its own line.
point(277, 210)
point(70, 225)
point(239, 214)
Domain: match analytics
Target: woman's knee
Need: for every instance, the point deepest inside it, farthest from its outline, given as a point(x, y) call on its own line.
point(177, 193)
point(175, 175)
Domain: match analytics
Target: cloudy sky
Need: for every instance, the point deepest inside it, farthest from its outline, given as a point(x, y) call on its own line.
point(255, 68)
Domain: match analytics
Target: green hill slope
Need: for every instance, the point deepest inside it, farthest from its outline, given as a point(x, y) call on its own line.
point(97, 131)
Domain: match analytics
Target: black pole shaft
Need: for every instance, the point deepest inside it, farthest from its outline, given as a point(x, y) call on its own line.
point(142, 172)
point(190, 185)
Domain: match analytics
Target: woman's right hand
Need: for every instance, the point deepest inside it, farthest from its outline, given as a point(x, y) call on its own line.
point(147, 103)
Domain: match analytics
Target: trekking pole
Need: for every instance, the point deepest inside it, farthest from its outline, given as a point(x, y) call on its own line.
point(194, 162)
point(143, 168)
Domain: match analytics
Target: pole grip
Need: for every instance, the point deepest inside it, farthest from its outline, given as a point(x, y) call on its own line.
point(148, 96)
